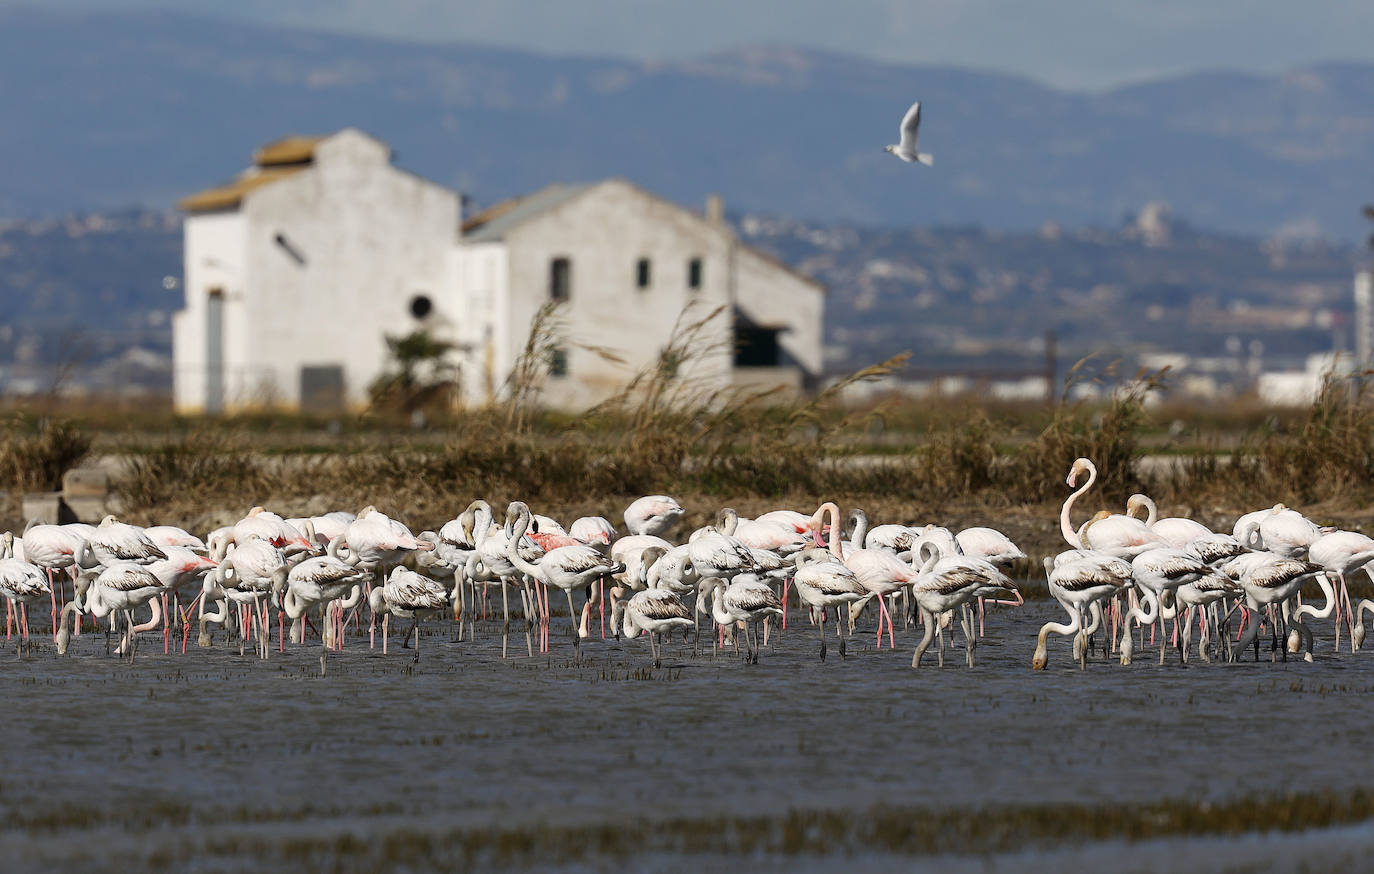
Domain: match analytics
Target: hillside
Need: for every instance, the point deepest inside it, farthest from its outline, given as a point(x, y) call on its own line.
point(106, 110)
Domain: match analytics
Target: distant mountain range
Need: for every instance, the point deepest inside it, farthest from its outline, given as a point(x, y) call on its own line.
point(106, 110)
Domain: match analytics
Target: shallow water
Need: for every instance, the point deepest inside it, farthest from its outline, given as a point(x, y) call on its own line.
point(216, 761)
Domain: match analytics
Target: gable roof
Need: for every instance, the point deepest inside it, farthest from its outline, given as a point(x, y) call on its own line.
point(496, 221)
point(493, 223)
point(271, 162)
point(230, 195)
point(287, 150)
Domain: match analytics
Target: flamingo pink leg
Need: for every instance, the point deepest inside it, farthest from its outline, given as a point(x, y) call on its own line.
point(786, 584)
point(52, 594)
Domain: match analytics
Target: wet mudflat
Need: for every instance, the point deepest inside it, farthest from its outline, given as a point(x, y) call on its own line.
point(215, 761)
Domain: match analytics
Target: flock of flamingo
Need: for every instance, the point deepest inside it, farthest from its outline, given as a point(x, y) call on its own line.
point(1122, 574)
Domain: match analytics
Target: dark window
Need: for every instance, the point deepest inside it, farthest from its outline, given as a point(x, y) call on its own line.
point(558, 362)
point(694, 274)
point(322, 388)
point(421, 306)
point(756, 347)
point(642, 273)
point(560, 279)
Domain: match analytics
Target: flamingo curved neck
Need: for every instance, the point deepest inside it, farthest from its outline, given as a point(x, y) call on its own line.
point(860, 528)
point(832, 512)
point(729, 521)
point(522, 524)
point(1325, 610)
point(1065, 525)
point(1145, 502)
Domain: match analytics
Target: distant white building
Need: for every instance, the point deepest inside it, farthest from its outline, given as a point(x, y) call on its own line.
point(1300, 388)
point(296, 271)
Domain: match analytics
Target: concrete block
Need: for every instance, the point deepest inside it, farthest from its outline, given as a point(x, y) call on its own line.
point(87, 509)
point(85, 482)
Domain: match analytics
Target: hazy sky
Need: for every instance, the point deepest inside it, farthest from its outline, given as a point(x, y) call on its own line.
point(1086, 44)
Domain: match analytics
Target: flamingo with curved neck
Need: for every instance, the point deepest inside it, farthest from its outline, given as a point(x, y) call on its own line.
point(1065, 524)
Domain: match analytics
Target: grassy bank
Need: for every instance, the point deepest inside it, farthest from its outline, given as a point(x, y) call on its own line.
point(956, 463)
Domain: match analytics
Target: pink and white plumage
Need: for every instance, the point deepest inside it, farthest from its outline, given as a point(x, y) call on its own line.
point(115, 542)
point(593, 530)
point(988, 544)
point(653, 514)
point(169, 535)
point(375, 538)
point(1122, 536)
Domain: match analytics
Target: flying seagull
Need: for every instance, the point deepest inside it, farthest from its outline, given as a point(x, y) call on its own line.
point(906, 149)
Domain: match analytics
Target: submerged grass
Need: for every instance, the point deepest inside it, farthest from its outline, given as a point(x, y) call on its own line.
point(332, 838)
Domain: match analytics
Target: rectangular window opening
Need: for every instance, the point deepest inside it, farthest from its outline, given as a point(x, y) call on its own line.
point(642, 273)
point(560, 279)
point(694, 274)
point(558, 362)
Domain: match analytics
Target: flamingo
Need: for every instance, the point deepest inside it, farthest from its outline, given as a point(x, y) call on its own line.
point(115, 542)
point(1285, 532)
point(1247, 525)
point(823, 583)
point(654, 610)
point(1121, 536)
point(893, 538)
point(266, 525)
point(492, 555)
point(408, 595)
point(1175, 531)
point(53, 548)
point(747, 599)
point(1157, 571)
point(782, 539)
point(1341, 553)
point(880, 572)
point(1078, 580)
point(170, 535)
point(946, 582)
point(321, 581)
point(1217, 549)
point(1199, 594)
point(180, 569)
point(595, 531)
point(1267, 579)
point(653, 514)
point(21, 583)
point(121, 586)
point(568, 567)
point(793, 519)
point(247, 576)
point(993, 546)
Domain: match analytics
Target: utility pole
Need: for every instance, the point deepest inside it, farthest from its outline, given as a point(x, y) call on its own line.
point(1364, 318)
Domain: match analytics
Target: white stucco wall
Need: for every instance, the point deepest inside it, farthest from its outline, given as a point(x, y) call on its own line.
point(213, 251)
point(604, 232)
point(370, 238)
point(481, 271)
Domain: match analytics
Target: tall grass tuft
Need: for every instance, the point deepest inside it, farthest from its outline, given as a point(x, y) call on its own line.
point(197, 468)
point(35, 453)
point(1110, 437)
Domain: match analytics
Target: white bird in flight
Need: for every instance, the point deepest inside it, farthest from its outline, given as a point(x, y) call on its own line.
point(906, 149)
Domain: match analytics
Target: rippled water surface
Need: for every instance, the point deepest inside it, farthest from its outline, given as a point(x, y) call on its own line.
point(215, 761)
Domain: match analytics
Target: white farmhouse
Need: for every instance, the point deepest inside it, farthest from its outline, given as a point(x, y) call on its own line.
point(297, 270)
